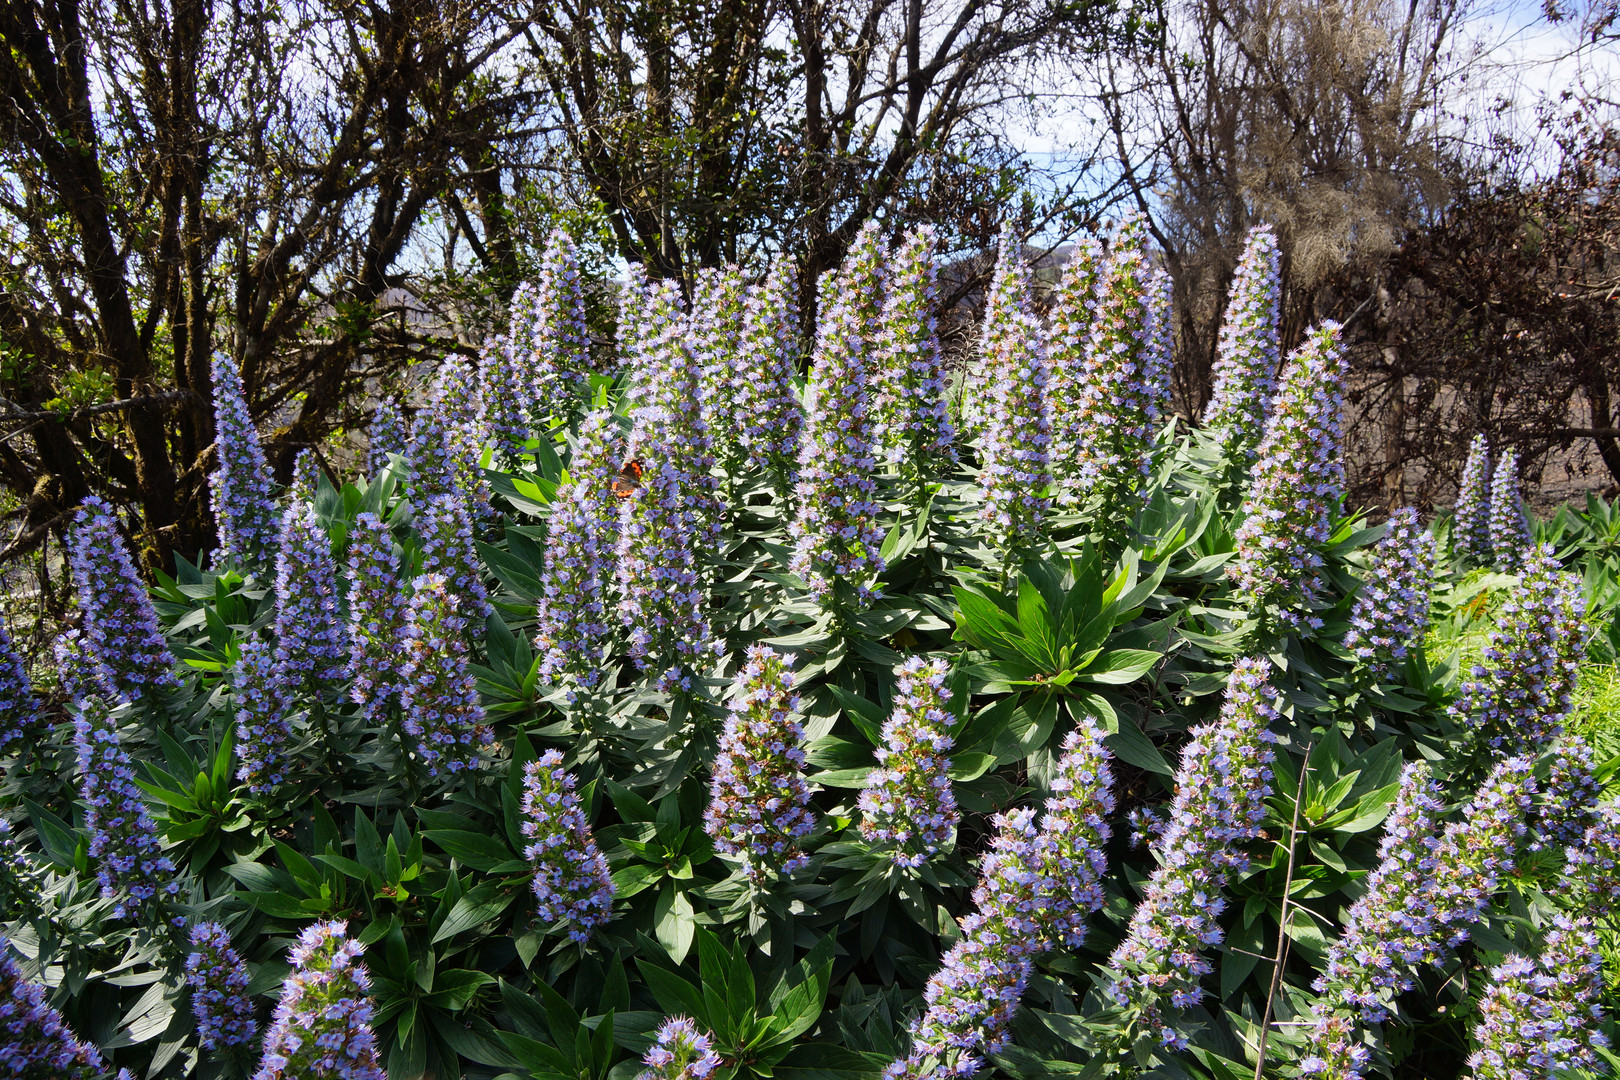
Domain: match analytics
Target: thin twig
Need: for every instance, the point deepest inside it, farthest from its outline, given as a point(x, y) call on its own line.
point(1282, 927)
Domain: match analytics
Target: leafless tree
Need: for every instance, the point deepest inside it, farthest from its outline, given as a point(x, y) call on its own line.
point(178, 178)
point(1320, 118)
point(711, 130)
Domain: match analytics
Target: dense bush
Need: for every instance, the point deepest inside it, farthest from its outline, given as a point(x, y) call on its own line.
point(688, 722)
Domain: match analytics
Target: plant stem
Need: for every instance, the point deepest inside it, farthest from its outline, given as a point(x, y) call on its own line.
point(1282, 920)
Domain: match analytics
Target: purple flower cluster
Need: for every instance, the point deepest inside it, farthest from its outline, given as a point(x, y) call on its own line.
point(1248, 352)
point(446, 436)
point(1519, 701)
point(908, 803)
point(770, 415)
point(571, 877)
point(509, 386)
point(18, 706)
point(35, 1041)
point(1592, 862)
point(1220, 801)
point(449, 550)
point(1511, 540)
point(1017, 433)
point(1392, 607)
point(442, 719)
point(82, 677)
point(1420, 905)
point(378, 609)
point(219, 984)
point(322, 1025)
point(661, 594)
point(571, 614)
point(1037, 887)
point(1471, 520)
point(680, 1052)
point(714, 335)
point(132, 868)
point(306, 478)
point(560, 339)
point(1397, 923)
point(1158, 365)
point(121, 633)
point(385, 437)
point(311, 648)
point(1298, 478)
point(1074, 836)
point(1073, 312)
point(1538, 1018)
point(913, 416)
point(1572, 801)
point(1482, 849)
point(1334, 1053)
point(19, 876)
point(263, 718)
point(972, 998)
point(1119, 393)
point(836, 536)
point(759, 800)
point(241, 487)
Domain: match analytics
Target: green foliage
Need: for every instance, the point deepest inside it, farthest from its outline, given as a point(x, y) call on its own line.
point(817, 976)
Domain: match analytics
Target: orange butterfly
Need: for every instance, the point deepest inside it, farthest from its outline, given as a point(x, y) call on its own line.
point(628, 482)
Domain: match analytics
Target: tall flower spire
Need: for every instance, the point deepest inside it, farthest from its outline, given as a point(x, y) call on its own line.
point(1471, 521)
point(1248, 351)
point(263, 733)
point(1074, 309)
point(322, 1025)
point(447, 439)
point(311, 648)
point(1391, 612)
point(561, 340)
point(1517, 700)
point(1511, 539)
point(1540, 1017)
point(674, 509)
point(715, 330)
point(35, 1041)
point(972, 998)
point(571, 616)
point(449, 549)
point(378, 610)
point(770, 415)
point(1298, 479)
point(241, 487)
point(1038, 885)
point(1221, 792)
point(17, 702)
point(913, 416)
point(1074, 836)
point(443, 721)
point(1113, 420)
point(680, 1052)
point(571, 879)
point(759, 801)
point(121, 632)
point(908, 803)
point(504, 368)
point(219, 981)
point(1017, 432)
point(1158, 365)
point(124, 840)
point(1421, 904)
point(837, 541)
point(385, 437)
